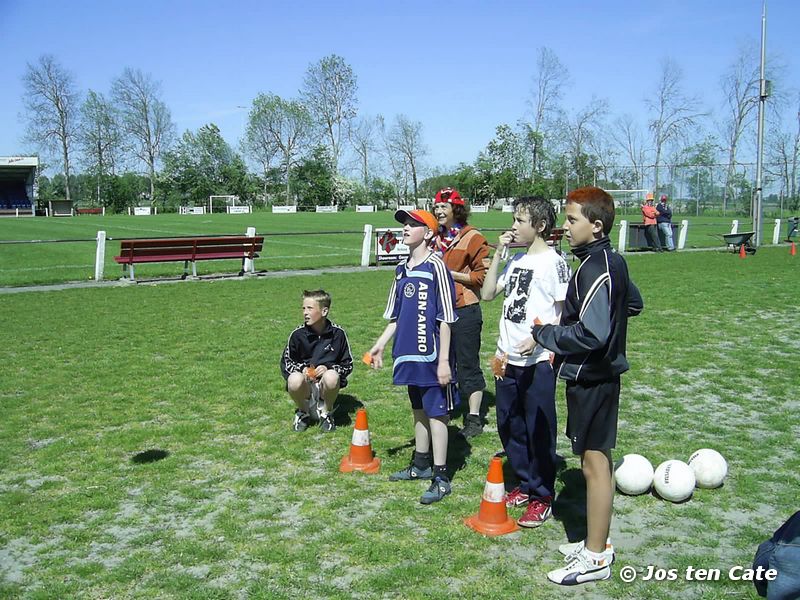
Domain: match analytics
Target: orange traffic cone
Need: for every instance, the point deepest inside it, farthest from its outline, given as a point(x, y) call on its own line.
point(360, 457)
point(792, 250)
point(492, 517)
point(742, 253)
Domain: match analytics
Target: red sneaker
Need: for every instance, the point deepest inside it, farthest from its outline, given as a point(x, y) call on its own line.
point(539, 510)
point(516, 497)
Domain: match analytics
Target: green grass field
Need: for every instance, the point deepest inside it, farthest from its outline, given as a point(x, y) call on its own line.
point(242, 507)
point(43, 263)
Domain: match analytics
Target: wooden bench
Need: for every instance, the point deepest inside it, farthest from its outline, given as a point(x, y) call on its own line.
point(188, 250)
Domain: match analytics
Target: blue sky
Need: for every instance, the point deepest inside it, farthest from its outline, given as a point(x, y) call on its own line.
point(460, 68)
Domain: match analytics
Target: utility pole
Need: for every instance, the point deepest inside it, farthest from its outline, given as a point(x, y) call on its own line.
point(758, 212)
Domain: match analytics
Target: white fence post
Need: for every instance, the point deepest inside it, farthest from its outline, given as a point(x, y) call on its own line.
point(682, 234)
point(100, 256)
point(249, 264)
point(776, 233)
point(623, 236)
point(366, 245)
point(735, 226)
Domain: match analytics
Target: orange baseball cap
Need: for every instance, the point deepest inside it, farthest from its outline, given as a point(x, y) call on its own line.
point(420, 216)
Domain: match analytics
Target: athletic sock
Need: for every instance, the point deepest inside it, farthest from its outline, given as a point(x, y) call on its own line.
point(422, 460)
point(598, 559)
point(440, 471)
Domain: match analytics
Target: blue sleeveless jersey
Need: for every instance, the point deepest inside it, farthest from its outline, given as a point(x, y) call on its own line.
point(419, 299)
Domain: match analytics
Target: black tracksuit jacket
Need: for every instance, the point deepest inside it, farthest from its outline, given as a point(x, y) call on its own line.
point(590, 341)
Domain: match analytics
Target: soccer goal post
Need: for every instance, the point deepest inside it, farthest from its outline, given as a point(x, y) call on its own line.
point(221, 203)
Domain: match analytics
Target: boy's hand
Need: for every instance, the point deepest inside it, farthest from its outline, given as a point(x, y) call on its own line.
point(319, 372)
point(526, 347)
point(505, 238)
point(443, 373)
point(376, 353)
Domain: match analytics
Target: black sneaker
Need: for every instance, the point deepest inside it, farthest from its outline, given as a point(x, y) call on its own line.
point(472, 426)
point(326, 423)
point(411, 473)
point(301, 420)
point(438, 490)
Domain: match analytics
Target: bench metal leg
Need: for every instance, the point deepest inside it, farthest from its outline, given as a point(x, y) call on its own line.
point(194, 269)
point(185, 269)
point(130, 271)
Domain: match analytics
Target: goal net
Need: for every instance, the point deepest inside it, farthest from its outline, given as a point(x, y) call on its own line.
point(628, 201)
point(221, 204)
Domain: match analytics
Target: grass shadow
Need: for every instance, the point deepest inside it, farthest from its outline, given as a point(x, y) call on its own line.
point(397, 449)
point(149, 456)
point(344, 409)
point(458, 449)
point(569, 506)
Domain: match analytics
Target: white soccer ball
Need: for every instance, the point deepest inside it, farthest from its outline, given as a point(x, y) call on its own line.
point(634, 474)
point(674, 480)
point(709, 468)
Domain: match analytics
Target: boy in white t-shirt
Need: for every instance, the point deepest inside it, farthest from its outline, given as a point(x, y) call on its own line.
point(535, 285)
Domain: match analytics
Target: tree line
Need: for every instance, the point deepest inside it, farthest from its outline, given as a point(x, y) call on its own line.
point(316, 148)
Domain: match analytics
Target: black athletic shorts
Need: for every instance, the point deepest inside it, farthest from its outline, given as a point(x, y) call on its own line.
point(592, 410)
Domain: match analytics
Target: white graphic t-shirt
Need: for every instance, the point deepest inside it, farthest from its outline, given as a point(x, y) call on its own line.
point(533, 285)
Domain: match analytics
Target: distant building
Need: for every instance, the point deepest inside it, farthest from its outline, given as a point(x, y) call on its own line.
point(18, 184)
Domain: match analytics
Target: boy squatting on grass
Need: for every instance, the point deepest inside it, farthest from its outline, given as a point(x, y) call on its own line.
point(535, 284)
point(316, 363)
point(590, 355)
point(420, 308)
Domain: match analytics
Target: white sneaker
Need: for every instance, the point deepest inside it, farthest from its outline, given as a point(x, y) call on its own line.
point(581, 569)
point(575, 547)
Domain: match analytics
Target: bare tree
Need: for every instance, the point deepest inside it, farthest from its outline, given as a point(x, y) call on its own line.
point(604, 152)
point(628, 136)
point(405, 139)
point(145, 118)
point(51, 101)
point(329, 93)
point(277, 127)
point(548, 82)
point(363, 138)
point(673, 112)
point(784, 158)
point(99, 138)
point(740, 85)
point(581, 128)
point(398, 168)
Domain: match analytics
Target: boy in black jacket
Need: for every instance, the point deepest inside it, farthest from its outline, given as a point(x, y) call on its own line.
point(590, 355)
point(316, 363)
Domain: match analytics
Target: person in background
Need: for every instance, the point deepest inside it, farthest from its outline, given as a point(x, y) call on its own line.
point(649, 215)
point(664, 221)
point(465, 253)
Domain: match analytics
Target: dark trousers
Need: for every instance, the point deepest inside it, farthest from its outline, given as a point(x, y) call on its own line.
point(526, 422)
point(466, 340)
point(651, 233)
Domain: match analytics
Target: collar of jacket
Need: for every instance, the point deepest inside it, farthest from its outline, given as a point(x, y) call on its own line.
point(582, 252)
point(325, 332)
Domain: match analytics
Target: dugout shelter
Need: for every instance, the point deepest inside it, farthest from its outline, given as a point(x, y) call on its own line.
point(18, 185)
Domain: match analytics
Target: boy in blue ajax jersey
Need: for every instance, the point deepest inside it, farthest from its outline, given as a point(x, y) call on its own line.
point(420, 309)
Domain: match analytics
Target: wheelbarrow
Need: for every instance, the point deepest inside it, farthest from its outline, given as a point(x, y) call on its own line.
point(736, 240)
